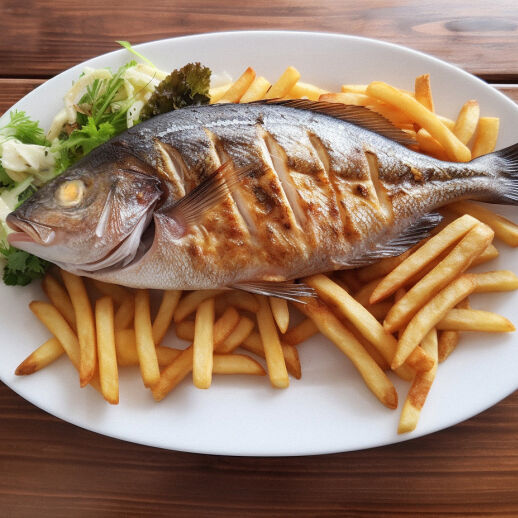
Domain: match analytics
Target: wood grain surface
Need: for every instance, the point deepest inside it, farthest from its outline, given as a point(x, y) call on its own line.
point(51, 468)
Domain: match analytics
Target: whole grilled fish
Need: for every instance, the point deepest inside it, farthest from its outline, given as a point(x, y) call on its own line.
point(248, 195)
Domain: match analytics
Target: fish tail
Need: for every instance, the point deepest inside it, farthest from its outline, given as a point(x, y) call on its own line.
point(504, 165)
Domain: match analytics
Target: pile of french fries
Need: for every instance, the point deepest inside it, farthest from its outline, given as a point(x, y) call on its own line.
point(402, 314)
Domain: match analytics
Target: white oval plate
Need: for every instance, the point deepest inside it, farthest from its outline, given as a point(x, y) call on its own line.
point(329, 409)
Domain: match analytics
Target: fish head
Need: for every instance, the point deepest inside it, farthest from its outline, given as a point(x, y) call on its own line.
point(88, 218)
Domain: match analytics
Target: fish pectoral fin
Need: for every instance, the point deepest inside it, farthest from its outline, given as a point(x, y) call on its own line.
point(401, 243)
point(283, 290)
point(358, 115)
point(210, 192)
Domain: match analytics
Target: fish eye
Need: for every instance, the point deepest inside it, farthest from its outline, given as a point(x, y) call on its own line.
point(70, 193)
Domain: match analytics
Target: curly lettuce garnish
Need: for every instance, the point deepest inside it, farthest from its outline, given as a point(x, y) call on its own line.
point(186, 86)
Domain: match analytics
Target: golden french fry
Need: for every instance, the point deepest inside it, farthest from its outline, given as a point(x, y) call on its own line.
point(490, 253)
point(355, 99)
point(467, 121)
point(366, 324)
point(301, 332)
point(116, 292)
point(281, 313)
point(59, 298)
point(420, 388)
point(504, 229)
point(429, 315)
point(455, 149)
point(357, 89)
point(448, 340)
point(237, 90)
point(363, 295)
point(126, 348)
point(330, 326)
point(350, 281)
point(447, 122)
point(237, 336)
point(146, 351)
point(191, 301)
point(256, 91)
point(500, 280)
point(218, 92)
point(173, 374)
point(85, 326)
point(284, 84)
point(381, 268)
point(456, 262)
point(125, 315)
point(254, 344)
point(185, 330)
point(108, 372)
point(44, 355)
point(203, 345)
point(303, 90)
point(423, 91)
point(237, 364)
point(486, 136)
point(272, 346)
point(240, 300)
point(415, 262)
point(430, 146)
point(474, 320)
point(165, 314)
point(52, 319)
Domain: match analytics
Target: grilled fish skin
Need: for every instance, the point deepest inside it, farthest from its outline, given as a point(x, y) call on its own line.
point(321, 194)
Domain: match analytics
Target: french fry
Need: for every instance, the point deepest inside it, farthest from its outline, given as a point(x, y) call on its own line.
point(256, 91)
point(430, 146)
point(467, 121)
point(191, 301)
point(490, 253)
point(500, 280)
point(146, 351)
point(125, 315)
point(474, 320)
point(52, 319)
point(237, 90)
point(381, 268)
point(308, 90)
point(237, 364)
point(203, 345)
point(116, 292)
point(85, 326)
point(44, 355)
point(415, 262)
point(126, 348)
point(300, 333)
point(351, 279)
point(240, 300)
point(284, 84)
point(366, 324)
point(456, 262)
point(455, 149)
point(428, 316)
point(185, 330)
point(355, 99)
point(218, 92)
point(272, 346)
point(448, 340)
point(59, 298)
point(182, 365)
point(236, 337)
point(165, 314)
point(420, 388)
point(447, 122)
point(330, 326)
point(486, 136)
point(423, 91)
point(504, 229)
point(363, 295)
point(281, 313)
point(108, 372)
point(357, 89)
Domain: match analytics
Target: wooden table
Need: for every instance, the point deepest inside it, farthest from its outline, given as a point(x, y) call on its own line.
point(51, 468)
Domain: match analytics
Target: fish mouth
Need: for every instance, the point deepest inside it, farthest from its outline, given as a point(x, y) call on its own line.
point(28, 232)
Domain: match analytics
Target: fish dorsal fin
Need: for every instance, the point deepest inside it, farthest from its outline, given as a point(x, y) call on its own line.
point(283, 290)
point(358, 115)
point(401, 243)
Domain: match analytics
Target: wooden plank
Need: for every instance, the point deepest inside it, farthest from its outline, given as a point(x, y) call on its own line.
point(40, 38)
